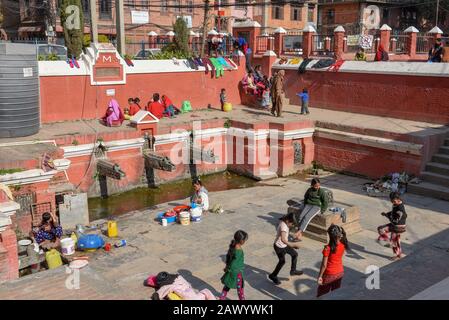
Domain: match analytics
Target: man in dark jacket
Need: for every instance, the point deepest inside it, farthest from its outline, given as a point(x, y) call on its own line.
point(436, 53)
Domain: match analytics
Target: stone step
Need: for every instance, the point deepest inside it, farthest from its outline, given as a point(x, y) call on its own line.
point(435, 178)
point(441, 158)
point(430, 190)
point(439, 168)
point(444, 150)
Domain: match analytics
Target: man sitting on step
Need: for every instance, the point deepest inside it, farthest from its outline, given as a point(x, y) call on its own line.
point(315, 202)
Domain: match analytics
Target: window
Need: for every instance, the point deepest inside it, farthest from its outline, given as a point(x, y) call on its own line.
point(240, 4)
point(130, 3)
point(310, 13)
point(177, 4)
point(295, 13)
point(85, 4)
point(277, 13)
point(190, 6)
point(105, 9)
point(164, 9)
point(330, 16)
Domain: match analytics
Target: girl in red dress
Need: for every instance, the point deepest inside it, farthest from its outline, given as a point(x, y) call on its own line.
point(331, 272)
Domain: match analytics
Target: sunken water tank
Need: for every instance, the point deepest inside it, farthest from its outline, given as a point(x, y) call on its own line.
point(19, 90)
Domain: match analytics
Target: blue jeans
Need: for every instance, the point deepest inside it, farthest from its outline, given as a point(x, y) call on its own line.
point(170, 111)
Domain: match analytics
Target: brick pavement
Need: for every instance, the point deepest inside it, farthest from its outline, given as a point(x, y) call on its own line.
point(197, 251)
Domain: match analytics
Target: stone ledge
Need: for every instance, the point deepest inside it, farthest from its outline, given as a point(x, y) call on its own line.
point(371, 141)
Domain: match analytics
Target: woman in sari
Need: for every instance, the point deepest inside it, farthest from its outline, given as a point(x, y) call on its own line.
point(114, 115)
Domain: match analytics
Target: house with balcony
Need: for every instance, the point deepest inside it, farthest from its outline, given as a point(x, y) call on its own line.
point(359, 16)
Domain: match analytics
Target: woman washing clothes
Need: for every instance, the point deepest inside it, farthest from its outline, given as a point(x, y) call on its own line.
point(48, 234)
point(200, 196)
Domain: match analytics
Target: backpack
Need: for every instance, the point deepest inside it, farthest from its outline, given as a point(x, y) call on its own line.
point(329, 196)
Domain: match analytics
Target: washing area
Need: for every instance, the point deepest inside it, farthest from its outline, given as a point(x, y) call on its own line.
point(102, 230)
point(144, 198)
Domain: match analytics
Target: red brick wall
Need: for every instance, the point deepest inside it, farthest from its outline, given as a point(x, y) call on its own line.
point(363, 160)
point(404, 97)
point(72, 97)
point(9, 263)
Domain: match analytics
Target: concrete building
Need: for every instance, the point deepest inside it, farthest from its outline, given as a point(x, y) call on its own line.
point(32, 18)
point(360, 15)
point(293, 16)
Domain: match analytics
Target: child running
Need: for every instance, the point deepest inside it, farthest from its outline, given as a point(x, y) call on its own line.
point(282, 247)
point(397, 225)
point(233, 277)
point(331, 271)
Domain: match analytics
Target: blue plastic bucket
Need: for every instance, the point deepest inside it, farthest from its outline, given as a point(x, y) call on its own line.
point(160, 216)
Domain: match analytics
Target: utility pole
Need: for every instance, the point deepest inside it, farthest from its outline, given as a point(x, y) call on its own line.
point(205, 22)
point(438, 9)
point(120, 26)
point(93, 21)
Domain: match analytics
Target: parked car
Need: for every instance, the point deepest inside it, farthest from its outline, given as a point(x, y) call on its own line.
point(147, 54)
point(58, 50)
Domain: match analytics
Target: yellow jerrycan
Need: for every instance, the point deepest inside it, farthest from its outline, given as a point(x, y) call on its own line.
point(74, 237)
point(53, 258)
point(112, 229)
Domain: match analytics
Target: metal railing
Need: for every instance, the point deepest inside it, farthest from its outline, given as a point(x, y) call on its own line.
point(323, 45)
point(398, 44)
point(292, 43)
point(424, 43)
point(263, 44)
point(225, 48)
point(30, 40)
point(445, 41)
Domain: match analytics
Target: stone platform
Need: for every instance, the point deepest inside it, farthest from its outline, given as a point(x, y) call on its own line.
point(317, 228)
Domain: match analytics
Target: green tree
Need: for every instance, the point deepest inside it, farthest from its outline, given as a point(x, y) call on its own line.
point(87, 40)
point(427, 14)
point(72, 21)
point(181, 39)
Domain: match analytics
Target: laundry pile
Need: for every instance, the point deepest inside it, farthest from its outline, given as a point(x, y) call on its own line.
point(330, 64)
point(215, 65)
point(393, 182)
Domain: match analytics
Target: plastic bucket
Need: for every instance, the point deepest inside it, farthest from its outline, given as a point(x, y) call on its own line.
point(195, 214)
point(67, 246)
point(184, 218)
point(227, 107)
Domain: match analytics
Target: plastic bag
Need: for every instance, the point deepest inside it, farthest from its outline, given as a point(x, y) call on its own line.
point(186, 106)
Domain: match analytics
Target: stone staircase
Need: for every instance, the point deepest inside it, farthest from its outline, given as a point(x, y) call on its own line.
point(435, 178)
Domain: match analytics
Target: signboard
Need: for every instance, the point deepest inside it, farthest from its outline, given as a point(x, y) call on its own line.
point(187, 19)
point(27, 72)
point(366, 42)
point(352, 40)
point(139, 17)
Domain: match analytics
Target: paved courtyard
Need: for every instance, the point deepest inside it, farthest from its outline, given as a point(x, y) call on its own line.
point(197, 251)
